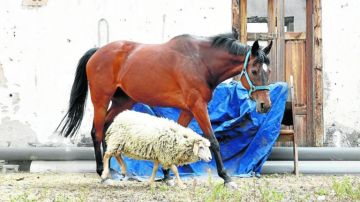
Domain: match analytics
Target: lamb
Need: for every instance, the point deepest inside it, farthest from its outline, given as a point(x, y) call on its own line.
point(145, 137)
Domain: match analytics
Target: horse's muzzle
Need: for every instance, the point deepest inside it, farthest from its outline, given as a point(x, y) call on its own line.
point(263, 107)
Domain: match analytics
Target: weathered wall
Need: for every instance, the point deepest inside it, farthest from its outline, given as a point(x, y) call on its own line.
point(40, 47)
point(341, 53)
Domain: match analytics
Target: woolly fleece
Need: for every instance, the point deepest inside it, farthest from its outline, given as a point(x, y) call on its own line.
point(145, 137)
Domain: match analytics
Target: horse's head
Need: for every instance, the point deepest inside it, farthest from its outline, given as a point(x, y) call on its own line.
point(255, 76)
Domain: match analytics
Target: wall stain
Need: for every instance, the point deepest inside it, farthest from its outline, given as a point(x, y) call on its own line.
point(15, 133)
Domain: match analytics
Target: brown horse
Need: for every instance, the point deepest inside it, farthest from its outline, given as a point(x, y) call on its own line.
point(181, 73)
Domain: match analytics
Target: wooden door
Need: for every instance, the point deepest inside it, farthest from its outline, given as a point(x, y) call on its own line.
point(292, 54)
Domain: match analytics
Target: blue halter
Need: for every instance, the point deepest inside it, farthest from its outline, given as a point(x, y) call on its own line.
point(244, 72)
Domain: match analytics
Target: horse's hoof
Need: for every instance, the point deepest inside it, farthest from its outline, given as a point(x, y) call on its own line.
point(170, 183)
point(231, 185)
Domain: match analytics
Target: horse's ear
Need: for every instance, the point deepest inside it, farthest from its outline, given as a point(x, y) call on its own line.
point(255, 48)
point(267, 49)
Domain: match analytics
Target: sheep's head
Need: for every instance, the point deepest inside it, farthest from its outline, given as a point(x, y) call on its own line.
point(201, 149)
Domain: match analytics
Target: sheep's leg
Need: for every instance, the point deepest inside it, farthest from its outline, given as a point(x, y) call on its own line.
point(122, 163)
point(152, 178)
point(178, 180)
point(106, 173)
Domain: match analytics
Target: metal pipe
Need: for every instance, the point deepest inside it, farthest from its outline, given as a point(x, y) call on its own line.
point(46, 153)
point(87, 153)
point(316, 154)
point(325, 160)
point(313, 167)
point(306, 167)
point(63, 166)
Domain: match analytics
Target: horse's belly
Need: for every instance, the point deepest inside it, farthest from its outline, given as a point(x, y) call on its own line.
point(154, 92)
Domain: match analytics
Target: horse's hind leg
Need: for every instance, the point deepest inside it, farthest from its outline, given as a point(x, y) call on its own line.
point(97, 133)
point(98, 155)
point(119, 102)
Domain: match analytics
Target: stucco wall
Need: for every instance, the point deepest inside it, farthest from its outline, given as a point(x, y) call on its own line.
point(40, 47)
point(341, 53)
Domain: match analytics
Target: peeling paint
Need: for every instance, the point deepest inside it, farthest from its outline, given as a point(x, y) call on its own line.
point(338, 135)
point(341, 51)
point(16, 134)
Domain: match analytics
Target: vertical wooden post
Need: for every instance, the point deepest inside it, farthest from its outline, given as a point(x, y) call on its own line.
point(317, 70)
point(235, 9)
point(243, 21)
point(272, 32)
point(309, 72)
point(239, 13)
point(280, 42)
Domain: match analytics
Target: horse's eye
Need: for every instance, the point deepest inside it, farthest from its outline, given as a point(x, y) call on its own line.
point(254, 72)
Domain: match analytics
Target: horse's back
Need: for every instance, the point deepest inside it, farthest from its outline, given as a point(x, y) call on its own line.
point(155, 74)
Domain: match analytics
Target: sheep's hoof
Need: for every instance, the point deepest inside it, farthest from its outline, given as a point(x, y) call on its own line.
point(231, 185)
point(108, 181)
point(170, 182)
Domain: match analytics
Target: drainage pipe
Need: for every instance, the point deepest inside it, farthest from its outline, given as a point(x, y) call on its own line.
point(46, 153)
point(87, 153)
point(313, 167)
point(305, 167)
point(316, 154)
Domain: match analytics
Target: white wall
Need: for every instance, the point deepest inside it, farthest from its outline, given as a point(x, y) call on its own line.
point(40, 47)
point(341, 54)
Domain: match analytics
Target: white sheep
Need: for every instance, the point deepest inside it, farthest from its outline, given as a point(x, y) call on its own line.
point(145, 137)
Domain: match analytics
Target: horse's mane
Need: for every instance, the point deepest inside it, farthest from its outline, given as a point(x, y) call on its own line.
point(229, 42)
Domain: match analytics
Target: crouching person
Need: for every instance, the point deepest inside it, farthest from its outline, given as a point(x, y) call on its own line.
point(145, 137)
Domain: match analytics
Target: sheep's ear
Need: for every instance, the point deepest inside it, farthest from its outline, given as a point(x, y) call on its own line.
point(196, 148)
point(207, 143)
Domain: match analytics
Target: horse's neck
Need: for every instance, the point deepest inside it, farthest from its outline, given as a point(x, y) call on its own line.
point(222, 65)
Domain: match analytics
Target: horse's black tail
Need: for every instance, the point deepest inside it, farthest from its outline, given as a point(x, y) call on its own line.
point(72, 119)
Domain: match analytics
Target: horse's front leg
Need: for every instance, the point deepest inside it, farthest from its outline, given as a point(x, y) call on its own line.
point(199, 109)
